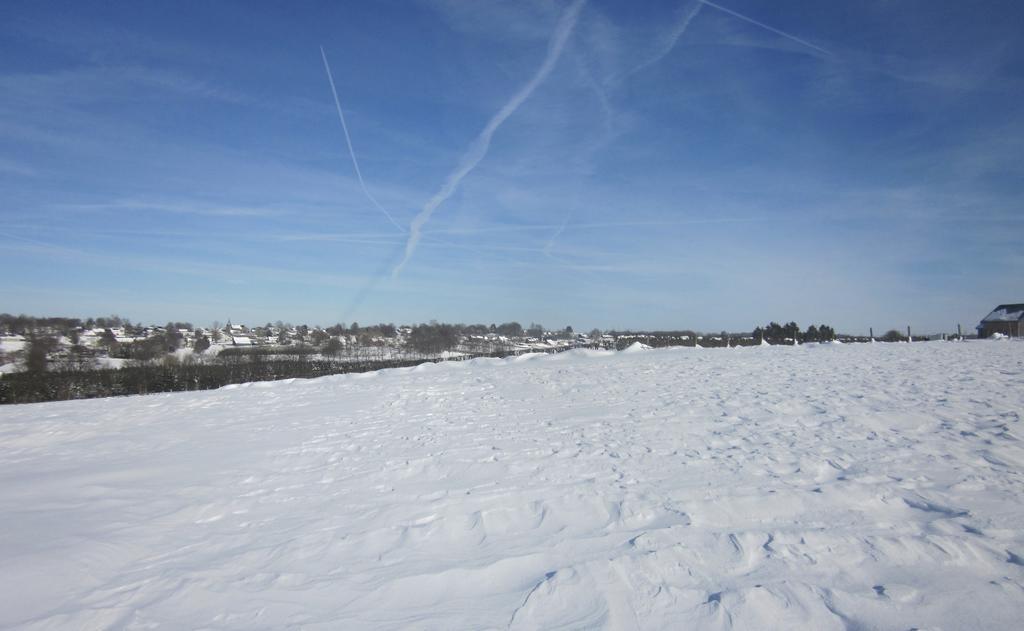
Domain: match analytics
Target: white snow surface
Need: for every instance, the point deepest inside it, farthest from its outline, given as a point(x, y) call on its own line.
point(818, 487)
point(10, 344)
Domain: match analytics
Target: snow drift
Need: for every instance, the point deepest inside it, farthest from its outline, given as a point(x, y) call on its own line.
point(835, 487)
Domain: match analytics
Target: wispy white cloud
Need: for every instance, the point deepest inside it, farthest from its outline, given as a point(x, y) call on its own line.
point(228, 272)
point(92, 83)
point(179, 207)
point(37, 243)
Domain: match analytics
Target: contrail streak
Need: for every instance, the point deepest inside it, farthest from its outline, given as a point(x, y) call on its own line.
point(587, 155)
point(351, 151)
point(605, 224)
point(478, 149)
point(40, 243)
point(551, 242)
point(673, 39)
point(765, 26)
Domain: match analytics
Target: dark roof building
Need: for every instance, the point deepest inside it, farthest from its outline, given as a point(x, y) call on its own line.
point(1004, 319)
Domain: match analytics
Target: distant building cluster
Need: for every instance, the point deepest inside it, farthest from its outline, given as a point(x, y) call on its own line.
point(68, 343)
point(30, 343)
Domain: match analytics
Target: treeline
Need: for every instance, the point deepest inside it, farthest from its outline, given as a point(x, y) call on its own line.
point(775, 333)
point(663, 339)
point(25, 324)
point(772, 333)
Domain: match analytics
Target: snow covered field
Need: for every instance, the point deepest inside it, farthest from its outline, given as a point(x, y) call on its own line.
point(818, 487)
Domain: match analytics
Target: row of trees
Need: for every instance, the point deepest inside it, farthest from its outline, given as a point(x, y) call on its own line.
point(775, 333)
point(24, 325)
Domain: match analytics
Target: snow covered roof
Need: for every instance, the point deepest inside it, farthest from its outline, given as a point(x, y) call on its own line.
point(241, 341)
point(1006, 313)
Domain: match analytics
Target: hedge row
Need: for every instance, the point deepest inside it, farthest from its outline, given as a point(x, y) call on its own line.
point(32, 387)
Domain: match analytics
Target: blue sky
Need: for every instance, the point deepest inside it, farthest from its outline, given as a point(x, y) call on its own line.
point(649, 165)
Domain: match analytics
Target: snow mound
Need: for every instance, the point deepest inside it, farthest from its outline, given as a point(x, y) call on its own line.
point(636, 347)
point(788, 490)
point(578, 354)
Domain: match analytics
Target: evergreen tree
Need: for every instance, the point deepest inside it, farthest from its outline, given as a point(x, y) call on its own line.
point(333, 347)
point(172, 338)
point(201, 344)
point(510, 329)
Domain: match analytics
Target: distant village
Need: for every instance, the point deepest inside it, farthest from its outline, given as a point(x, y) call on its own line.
point(40, 344)
point(28, 343)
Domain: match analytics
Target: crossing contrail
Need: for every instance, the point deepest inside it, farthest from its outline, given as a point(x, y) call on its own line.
point(478, 149)
point(673, 38)
point(551, 242)
point(351, 151)
point(765, 26)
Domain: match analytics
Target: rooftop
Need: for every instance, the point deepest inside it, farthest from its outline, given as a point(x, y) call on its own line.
point(1006, 313)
